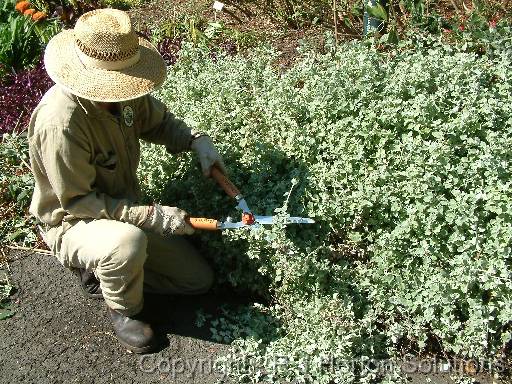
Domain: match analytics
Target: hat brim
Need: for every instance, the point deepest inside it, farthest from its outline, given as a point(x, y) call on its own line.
point(65, 69)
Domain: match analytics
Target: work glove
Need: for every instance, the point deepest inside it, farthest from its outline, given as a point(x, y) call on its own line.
point(161, 219)
point(208, 154)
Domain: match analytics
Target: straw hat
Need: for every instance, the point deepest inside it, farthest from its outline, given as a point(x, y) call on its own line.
point(102, 59)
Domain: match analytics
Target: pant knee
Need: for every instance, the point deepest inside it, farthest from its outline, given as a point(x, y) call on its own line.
point(128, 250)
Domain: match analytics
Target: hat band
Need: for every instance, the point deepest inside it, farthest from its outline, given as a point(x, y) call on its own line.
point(91, 62)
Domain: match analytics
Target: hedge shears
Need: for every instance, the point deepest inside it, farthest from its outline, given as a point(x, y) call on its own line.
point(249, 219)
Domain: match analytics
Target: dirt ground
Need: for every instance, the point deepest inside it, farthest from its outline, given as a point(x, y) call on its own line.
point(59, 336)
point(245, 17)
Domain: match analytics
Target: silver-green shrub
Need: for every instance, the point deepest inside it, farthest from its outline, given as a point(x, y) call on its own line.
point(403, 157)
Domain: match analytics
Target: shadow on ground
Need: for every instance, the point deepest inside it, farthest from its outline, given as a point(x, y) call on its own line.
point(178, 314)
point(59, 336)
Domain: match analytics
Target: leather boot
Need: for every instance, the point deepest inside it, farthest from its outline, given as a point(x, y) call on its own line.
point(133, 332)
point(89, 283)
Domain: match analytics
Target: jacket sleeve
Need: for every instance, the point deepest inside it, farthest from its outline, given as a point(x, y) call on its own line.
point(159, 126)
point(65, 156)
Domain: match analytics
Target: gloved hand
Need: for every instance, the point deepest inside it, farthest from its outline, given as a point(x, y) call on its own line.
point(161, 219)
point(208, 154)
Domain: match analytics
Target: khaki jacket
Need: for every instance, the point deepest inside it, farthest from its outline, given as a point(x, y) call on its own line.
point(84, 159)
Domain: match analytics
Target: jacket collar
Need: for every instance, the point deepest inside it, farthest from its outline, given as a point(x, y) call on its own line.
point(89, 106)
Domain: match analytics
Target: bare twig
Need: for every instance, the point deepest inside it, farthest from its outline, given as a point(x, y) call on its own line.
point(4, 257)
point(335, 19)
point(455, 6)
point(37, 250)
point(25, 164)
point(232, 14)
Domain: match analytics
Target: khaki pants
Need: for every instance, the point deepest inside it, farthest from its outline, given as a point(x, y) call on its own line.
point(127, 260)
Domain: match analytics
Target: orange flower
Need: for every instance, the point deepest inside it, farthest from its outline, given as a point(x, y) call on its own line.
point(22, 6)
point(39, 16)
point(29, 12)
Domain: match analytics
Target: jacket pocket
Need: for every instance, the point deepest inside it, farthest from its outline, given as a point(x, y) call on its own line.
point(106, 172)
point(108, 162)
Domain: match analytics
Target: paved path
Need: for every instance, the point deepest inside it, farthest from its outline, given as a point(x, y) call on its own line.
point(59, 336)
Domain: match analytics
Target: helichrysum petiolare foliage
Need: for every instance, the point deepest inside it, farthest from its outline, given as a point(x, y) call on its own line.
point(403, 159)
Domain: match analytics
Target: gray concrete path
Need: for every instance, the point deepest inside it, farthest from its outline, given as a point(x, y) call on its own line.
point(59, 336)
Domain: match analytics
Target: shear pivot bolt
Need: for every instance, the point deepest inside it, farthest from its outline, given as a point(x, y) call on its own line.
point(248, 218)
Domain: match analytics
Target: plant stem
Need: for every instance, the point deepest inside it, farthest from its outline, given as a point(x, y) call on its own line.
point(335, 21)
point(455, 6)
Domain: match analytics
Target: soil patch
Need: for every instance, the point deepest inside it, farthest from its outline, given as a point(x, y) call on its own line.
point(245, 18)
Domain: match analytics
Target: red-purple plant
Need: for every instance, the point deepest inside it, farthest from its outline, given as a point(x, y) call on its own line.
point(19, 94)
point(169, 49)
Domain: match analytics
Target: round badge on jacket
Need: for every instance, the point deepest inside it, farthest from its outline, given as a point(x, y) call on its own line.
point(128, 115)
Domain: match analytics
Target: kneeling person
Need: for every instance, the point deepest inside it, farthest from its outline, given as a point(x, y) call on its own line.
point(84, 152)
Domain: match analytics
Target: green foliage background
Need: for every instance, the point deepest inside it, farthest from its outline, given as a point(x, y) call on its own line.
point(22, 40)
point(20, 45)
point(16, 187)
point(402, 157)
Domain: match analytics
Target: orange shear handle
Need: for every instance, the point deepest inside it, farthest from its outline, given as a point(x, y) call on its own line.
point(203, 223)
point(225, 183)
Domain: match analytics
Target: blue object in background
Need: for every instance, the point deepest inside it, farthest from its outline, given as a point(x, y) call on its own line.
point(371, 23)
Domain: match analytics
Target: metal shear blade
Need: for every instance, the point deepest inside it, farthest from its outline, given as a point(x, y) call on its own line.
point(265, 220)
point(289, 220)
